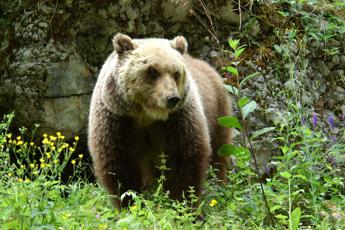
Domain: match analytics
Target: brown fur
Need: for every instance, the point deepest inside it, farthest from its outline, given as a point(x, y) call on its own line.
point(131, 124)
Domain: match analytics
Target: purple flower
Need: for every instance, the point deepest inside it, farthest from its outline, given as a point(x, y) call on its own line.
point(334, 139)
point(331, 121)
point(303, 121)
point(315, 119)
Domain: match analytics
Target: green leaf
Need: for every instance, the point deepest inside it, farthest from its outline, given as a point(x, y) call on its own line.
point(232, 89)
point(238, 52)
point(226, 150)
point(295, 218)
point(260, 132)
point(275, 207)
point(281, 216)
point(250, 76)
point(230, 149)
point(242, 102)
point(301, 177)
point(242, 152)
point(248, 108)
point(232, 70)
point(230, 122)
point(286, 174)
point(233, 43)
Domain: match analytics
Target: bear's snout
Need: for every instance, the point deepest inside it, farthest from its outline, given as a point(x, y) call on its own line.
point(172, 101)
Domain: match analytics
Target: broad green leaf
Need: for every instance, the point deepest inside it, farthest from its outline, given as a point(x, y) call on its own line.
point(275, 207)
point(281, 216)
point(250, 76)
point(232, 89)
point(286, 174)
point(238, 52)
point(233, 43)
point(285, 150)
point(295, 218)
point(230, 122)
point(260, 132)
point(248, 108)
point(226, 150)
point(243, 101)
point(242, 152)
point(232, 70)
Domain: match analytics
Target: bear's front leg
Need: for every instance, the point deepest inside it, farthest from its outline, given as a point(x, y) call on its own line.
point(188, 152)
point(111, 150)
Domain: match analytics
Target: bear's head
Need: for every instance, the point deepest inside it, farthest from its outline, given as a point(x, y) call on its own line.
point(151, 75)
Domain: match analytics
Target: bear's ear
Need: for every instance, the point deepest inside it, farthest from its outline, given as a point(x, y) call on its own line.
point(122, 43)
point(180, 44)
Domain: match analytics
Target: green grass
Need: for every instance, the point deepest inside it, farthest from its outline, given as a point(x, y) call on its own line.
point(35, 197)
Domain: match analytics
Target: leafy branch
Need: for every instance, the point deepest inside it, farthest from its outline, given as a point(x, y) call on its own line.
point(245, 106)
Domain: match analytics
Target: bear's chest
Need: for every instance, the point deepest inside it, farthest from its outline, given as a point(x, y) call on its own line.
point(148, 143)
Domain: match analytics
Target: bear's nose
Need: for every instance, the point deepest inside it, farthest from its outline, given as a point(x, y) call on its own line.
point(172, 101)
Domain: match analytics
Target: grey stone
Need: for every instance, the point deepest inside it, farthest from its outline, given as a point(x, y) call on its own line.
point(174, 11)
point(68, 115)
point(338, 73)
point(342, 60)
point(333, 43)
point(69, 78)
point(322, 68)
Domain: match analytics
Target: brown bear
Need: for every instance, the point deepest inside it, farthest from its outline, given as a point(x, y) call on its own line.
point(150, 98)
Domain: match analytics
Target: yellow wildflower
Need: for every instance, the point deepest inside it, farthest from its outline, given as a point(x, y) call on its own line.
point(43, 165)
point(41, 160)
point(51, 143)
point(10, 141)
point(45, 135)
point(56, 161)
point(10, 174)
point(53, 148)
point(49, 156)
point(71, 149)
point(27, 180)
point(52, 138)
point(19, 137)
point(48, 165)
point(9, 135)
point(20, 142)
point(32, 165)
point(58, 134)
point(213, 202)
point(73, 162)
point(62, 137)
point(80, 156)
point(32, 143)
point(76, 138)
point(20, 180)
point(45, 141)
point(103, 226)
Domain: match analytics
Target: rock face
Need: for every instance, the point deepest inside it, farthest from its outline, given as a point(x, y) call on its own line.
point(51, 52)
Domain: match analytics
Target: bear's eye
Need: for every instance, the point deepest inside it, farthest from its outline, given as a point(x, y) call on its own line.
point(176, 76)
point(152, 72)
